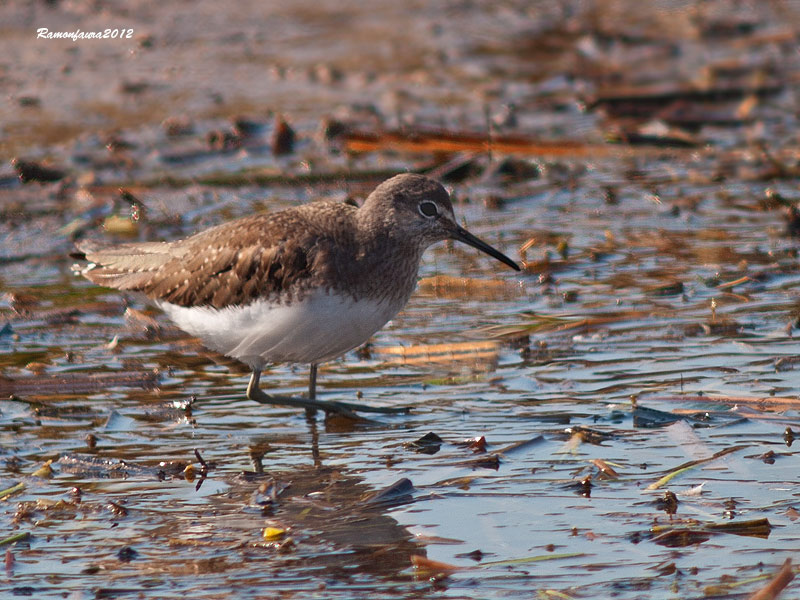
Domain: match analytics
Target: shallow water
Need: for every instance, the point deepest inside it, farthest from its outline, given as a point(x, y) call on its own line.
point(656, 278)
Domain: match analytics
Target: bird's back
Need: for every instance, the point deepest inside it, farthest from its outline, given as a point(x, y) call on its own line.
point(274, 256)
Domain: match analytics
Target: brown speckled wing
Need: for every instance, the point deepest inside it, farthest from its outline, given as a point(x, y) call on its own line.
point(271, 256)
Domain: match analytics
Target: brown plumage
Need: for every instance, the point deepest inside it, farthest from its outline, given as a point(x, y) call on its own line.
point(239, 285)
point(271, 256)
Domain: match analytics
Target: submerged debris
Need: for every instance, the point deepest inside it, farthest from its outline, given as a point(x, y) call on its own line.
point(430, 443)
point(399, 492)
point(33, 171)
point(283, 137)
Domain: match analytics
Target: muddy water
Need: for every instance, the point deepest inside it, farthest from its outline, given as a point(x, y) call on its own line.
point(653, 325)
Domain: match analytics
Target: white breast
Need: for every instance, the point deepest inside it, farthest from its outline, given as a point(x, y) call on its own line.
point(318, 328)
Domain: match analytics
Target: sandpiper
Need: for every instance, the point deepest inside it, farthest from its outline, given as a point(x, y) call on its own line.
point(302, 285)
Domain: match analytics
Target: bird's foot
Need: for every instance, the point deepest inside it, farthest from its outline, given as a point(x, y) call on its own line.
point(347, 409)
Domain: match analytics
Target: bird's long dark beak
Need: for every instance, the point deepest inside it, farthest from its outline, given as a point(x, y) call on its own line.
point(462, 235)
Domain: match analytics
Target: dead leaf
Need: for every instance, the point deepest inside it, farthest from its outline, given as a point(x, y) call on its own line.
point(427, 565)
point(782, 578)
point(442, 353)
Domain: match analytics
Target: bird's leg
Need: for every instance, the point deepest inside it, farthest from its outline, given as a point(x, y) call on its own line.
point(256, 394)
point(312, 382)
point(312, 389)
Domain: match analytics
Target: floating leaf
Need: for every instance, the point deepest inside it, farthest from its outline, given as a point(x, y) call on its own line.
point(691, 465)
point(11, 490)
point(531, 559)
point(442, 353)
point(45, 471)
point(782, 578)
point(760, 528)
point(421, 563)
point(445, 286)
point(441, 141)
point(120, 225)
point(680, 538)
point(17, 537)
point(271, 534)
point(605, 468)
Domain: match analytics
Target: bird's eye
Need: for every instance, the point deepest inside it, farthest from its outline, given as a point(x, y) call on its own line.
point(428, 209)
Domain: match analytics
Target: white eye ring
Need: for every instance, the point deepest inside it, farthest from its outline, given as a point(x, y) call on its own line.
point(428, 209)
